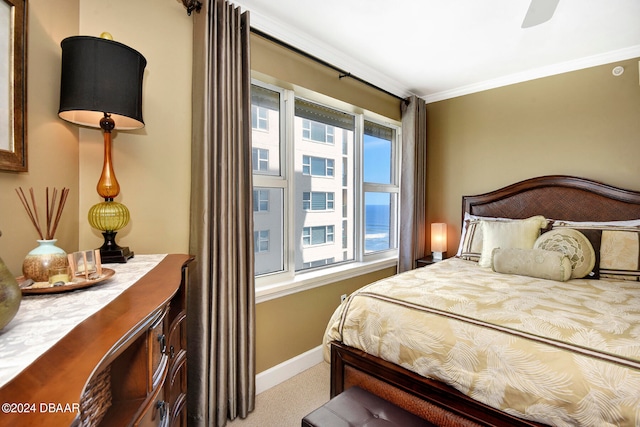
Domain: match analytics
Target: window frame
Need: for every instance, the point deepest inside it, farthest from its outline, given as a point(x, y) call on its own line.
point(257, 237)
point(327, 201)
point(260, 119)
point(326, 132)
point(257, 200)
point(328, 231)
point(392, 188)
point(258, 151)
point(281, 283)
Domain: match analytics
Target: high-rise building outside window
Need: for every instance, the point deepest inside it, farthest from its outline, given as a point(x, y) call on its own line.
point(327, 191)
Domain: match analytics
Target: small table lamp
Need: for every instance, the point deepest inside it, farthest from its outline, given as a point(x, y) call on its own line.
point(101, 87)
point(438, 240)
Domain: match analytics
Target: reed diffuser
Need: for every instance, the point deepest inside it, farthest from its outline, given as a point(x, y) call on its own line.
point(46, 256)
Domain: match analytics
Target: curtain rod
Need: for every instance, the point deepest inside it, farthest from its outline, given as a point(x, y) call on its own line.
point(342, 74)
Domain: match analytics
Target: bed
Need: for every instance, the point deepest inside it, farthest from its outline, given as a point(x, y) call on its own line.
point(466, 343)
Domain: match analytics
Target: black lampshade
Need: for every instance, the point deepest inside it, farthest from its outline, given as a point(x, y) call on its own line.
point(101, 76)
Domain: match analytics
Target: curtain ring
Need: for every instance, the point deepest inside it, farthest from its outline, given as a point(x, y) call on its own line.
point(191, 5)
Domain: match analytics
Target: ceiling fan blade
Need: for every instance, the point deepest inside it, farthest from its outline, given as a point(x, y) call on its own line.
point(539, 11)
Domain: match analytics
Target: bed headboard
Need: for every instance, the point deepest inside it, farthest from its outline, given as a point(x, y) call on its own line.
point(557, 197)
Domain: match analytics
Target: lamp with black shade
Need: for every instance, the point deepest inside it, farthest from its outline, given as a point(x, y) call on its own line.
point(101, 87)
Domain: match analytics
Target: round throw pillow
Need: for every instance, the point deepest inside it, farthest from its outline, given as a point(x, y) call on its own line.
point(573, 244)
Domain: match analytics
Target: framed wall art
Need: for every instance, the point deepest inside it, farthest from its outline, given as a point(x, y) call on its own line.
point(13, 85)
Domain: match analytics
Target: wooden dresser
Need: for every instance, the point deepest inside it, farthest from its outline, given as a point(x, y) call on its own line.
point(123, 365)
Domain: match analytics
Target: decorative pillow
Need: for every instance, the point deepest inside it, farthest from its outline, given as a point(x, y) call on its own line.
point(470, 247)
point(539, 263)
point(618, 254)
point(518, 233)
point(471, 241)
point(572, 243)
point(595, 237)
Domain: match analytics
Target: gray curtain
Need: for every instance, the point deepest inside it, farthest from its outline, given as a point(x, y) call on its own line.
point(413, 183)
point(221, 296)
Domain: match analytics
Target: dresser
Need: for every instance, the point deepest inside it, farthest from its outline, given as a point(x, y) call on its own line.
point(124, 364)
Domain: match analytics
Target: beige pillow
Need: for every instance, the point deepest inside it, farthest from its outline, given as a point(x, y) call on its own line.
point(549, 265)
point(620, 254)
point(572, 243)
point(518, 233)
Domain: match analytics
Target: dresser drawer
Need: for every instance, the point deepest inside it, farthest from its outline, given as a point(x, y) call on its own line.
point(176, 383)
point(155, 413)
point(178, 335)
point(157, 345)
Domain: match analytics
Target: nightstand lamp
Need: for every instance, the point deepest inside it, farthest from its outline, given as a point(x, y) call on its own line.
point(438, 240)
point(101, 87)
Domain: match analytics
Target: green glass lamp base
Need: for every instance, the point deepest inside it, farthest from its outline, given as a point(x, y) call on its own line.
point(110, 252)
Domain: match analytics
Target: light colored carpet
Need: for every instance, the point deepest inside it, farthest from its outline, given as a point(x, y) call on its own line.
point(287, 403)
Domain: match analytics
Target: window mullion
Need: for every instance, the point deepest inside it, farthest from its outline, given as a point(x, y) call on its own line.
point(358, 172)
point(289, 160)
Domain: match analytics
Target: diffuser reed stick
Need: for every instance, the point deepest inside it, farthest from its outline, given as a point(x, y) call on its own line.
point(52, 220)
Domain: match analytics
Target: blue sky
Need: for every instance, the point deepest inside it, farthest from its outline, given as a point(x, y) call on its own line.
point(377, 167)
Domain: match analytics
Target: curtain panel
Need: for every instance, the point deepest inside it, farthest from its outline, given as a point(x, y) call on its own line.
point(221, 296)
point(413, 183)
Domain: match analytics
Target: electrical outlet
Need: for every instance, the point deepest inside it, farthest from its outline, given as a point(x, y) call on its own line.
point(343, 297)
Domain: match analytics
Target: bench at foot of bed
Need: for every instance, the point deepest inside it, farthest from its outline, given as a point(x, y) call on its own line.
point(358, 408)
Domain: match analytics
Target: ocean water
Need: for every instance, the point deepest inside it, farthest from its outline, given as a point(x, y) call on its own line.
point(376, 220)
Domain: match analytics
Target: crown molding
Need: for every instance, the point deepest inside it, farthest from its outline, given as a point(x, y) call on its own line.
point(551, 70)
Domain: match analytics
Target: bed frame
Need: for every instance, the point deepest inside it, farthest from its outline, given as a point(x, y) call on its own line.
point(555, 197)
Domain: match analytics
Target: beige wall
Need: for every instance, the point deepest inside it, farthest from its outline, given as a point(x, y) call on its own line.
point(52, 146)
point(289, 326)
point(152, 164)
point(584, 123)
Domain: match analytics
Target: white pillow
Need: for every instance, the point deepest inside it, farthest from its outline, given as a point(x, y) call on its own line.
point(520, 234)
point(465, 223)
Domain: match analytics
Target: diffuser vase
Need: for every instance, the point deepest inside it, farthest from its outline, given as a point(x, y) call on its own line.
point(45, 256)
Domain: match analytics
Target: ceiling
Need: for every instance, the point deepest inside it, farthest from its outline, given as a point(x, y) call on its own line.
point(439, 49)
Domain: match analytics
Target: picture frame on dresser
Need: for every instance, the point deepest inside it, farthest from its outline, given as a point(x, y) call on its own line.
point(13, 85)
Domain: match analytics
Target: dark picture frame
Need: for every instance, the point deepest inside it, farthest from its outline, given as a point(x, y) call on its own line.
point(13, 85)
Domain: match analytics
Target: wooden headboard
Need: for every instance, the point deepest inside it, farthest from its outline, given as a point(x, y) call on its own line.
point(557, 197)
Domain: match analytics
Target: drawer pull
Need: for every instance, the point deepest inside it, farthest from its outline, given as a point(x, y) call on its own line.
point(163, 343)
point(161, 405)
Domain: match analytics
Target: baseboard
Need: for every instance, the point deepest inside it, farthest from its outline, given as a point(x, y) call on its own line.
point(287, 369)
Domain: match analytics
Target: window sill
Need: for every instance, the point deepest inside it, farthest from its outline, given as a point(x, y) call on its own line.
point(314, 279)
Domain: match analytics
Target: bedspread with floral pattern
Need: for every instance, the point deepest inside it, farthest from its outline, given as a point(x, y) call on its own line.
point(560, 353)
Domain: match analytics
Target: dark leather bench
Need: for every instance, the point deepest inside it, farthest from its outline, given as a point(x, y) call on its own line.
point(356, 407)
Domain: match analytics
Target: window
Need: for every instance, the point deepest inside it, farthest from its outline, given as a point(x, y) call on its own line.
point(266, 122)
point(259, 118)
point(317, 201)
point(261, 241)
point(260, 200)
point(317, 166)
point(312, 236)
point(380, 188)
point(260, 160)
point(326, 189)
point(317, 132)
